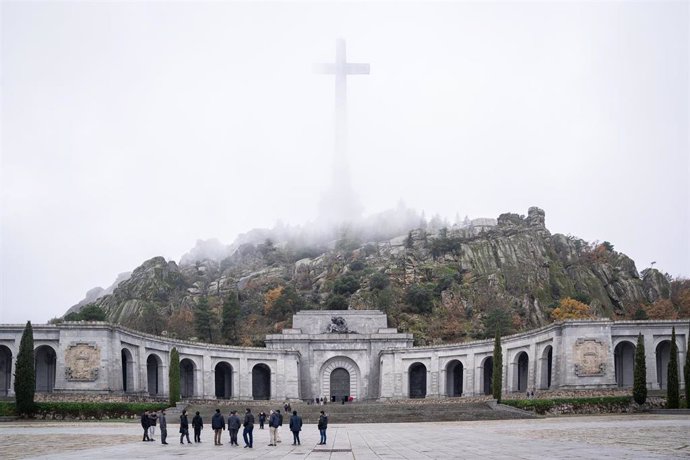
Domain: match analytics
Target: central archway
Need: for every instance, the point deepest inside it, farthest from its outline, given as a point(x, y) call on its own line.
point(223, 380)
point(45, 361)
point(624, 362)
point(187, 380)
point(5, 370)
point(454, 373)
point(261, 381)
point(346, 378)
point(154, 374)
point(417, 380)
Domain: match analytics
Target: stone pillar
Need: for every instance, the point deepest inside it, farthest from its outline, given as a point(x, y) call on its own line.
point(433, 387)
point(244, 389)
point(532, 368)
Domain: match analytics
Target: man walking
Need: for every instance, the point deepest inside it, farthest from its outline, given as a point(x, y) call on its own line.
point(163, 424)
point(145, 425)
point(248, 429)
point(295, 427)
point(233, 427)
point(323, 426)
point(218, 425)
point(184, 427)
point(280, 423)
point(152, 424)
point(272, 427)
point(198, 425)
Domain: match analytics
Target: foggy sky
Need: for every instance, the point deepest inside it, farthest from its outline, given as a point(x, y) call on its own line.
point(130, 130)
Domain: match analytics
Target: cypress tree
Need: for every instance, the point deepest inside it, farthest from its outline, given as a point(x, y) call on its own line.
point(174, 377)
point(231, 314)
point(673, 396)
point(203, 321)
point(497, 384)
point(640, 383)
point(686, 373)
point(25, 374)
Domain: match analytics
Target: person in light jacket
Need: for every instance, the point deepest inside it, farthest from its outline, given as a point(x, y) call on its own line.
point(272, 427)
point(295, 427)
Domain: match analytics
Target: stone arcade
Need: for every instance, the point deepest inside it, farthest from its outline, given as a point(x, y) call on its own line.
point(336, 354)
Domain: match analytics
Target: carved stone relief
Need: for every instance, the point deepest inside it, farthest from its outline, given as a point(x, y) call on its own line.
point(590, 357)
point(82, 361)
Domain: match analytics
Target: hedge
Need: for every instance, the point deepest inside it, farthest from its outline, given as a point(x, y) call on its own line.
point(85, 409)
point(542, 406)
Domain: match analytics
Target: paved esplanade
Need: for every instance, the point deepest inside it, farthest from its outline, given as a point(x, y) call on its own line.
point(613, 436)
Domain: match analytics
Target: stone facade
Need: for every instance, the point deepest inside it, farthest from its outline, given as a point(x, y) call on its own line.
point(339, 354)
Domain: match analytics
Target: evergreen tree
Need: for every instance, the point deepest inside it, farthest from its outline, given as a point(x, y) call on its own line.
point(409, 241)
point(497, 384)
point(686, 374)
point(25, 374)
point(203, 321)
point(174, 377)
point(231, 315)
point(673, 396)
point(640, 383)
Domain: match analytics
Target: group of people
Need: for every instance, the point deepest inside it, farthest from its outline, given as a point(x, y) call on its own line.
point(218, 425)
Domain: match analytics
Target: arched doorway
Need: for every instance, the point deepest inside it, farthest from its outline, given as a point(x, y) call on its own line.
point(522, 372)
point(187, 368)
point(261, 382)
point(417, 380)
point(663, 356)
point(624, 363)
point(454, 373)
point(546, 364)
point(340, 384)
point(223, 380)
point(488, 375)
point(127, 371)
point(45, 362)
point(5, 370)
point(154, 374)
point(342, 372)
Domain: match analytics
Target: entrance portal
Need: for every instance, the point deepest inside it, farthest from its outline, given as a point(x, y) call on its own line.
point(340, 384)
point(488, 375)
point(223, 381)
point(522, 372)
point(454, 378)
point(418, 380)
point(624, 361)
point(45, 359)
point(187, 378)
point(663, 356)
point(154, 374)
point(261, 382)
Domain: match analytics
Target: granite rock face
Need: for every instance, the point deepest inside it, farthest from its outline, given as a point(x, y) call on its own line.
point(513, 262)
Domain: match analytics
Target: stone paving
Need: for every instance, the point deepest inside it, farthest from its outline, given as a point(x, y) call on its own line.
point(581, 437)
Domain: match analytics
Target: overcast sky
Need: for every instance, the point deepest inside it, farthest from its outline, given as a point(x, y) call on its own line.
point(130, 130)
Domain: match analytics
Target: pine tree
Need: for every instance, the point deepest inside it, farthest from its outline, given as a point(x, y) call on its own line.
point(203, 321)
point(174, 377)
point(673, 397)
point(686, 374)
point(497, 384)
point(640, 383)
point(231, 315)
point(25, 374)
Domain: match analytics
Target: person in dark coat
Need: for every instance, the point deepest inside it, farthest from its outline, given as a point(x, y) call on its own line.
point(295, 427)
point(280, 423)
point(262, 419)
point(247, 433)
point(163, 424)
point(323, 426)
point(234, 424)
point(145, 425)
point(272, 427)
point(153, 417)
point(184, 427)
point(198, 425)
point(218, 426)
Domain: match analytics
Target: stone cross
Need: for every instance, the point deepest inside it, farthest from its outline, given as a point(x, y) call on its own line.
point(341, 69)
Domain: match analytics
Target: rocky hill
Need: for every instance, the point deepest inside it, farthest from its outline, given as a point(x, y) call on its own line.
point(444, 285)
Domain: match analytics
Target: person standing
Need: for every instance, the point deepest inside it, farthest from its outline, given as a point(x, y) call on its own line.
point(247, 433)
point(280, 423)
point(233, 427)
point(323, 426)
point(163, 424)
point(218, 425)
point(184, 427)
point(198, 425)
point(145, 425)
point(152, 424)
point(295, 427)
point(262, 419)
point(272, 427)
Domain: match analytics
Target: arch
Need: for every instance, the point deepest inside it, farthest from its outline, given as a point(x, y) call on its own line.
point(624, 363)
point(223, 373)
point(454, 378)
point(488, 375)
point(261, 381)
point(663, 356)
point(340, 384)
point(521, 371)
point(5, 370)
point(417, 378)
point(154, 374)
point(45, 363)
point(546, 366)
point(127, 370)
point(187, 380)
point(347, 365)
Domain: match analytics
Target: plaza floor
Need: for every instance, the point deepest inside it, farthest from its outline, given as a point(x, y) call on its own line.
point(581, 437)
